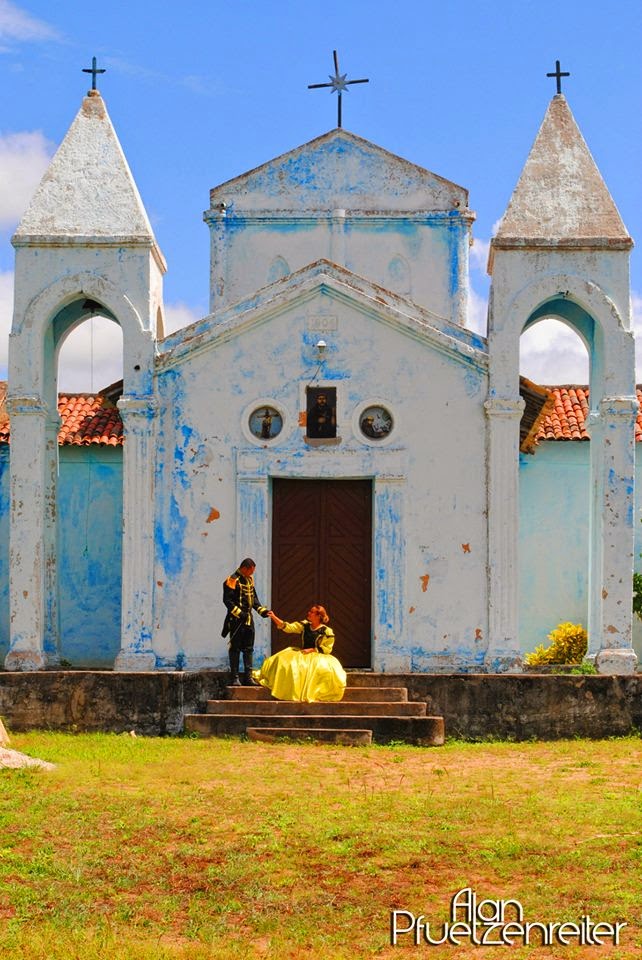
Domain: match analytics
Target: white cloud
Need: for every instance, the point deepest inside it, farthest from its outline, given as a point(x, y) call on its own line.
point(6, 313)
point(477, 312)
point(479, 254)
point(178, 315)
point(16, 24)
point(551, 353)
point(91, 357)
point(24, 157)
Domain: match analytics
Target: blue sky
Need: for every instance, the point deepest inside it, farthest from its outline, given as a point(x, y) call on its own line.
point(202, 91)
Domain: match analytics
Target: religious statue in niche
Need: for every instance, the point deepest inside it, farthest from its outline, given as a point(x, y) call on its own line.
point(375, 423)
point(265, 423)
point(321, 413)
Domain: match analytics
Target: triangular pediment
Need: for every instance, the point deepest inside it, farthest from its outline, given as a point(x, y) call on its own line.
point(338, 170)
point(298, 288)
point(561, 198)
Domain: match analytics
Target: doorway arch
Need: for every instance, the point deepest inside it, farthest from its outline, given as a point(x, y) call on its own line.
point(37, 335)
point(581, 304)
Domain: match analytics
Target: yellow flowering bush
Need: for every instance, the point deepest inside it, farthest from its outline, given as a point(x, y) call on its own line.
point(568, 644)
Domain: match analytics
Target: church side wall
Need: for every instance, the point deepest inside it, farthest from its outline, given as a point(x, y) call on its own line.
point(89, 552)
point(89, 542)
point(554, 540)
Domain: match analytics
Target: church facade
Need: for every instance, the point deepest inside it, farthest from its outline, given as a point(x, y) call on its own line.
point(332, 417)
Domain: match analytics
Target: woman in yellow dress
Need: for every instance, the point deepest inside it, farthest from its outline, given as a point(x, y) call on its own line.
point(308, 672)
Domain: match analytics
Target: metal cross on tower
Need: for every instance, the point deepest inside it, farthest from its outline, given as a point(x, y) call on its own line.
point(338, 84)
point(558, 76)
point(93, 70)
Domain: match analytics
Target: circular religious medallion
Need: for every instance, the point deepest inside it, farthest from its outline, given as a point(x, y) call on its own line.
point(265, 423)
point(375, 423)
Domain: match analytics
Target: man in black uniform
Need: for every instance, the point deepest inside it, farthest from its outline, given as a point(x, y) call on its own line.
point(239, 596)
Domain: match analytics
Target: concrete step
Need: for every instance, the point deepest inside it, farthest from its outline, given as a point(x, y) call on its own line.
point(352, 694)
point(423, 731)
point(347, 738)
point(273, 707)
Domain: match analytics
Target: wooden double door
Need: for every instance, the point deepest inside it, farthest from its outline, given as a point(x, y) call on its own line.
point(322, 553)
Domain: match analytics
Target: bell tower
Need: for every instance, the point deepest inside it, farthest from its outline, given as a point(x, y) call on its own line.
point(84, 246)
point(562, 251)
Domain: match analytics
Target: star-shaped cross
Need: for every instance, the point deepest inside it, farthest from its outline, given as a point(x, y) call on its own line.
point(338, 84)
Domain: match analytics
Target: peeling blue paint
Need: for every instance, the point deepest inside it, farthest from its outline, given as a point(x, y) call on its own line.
point(169, 539)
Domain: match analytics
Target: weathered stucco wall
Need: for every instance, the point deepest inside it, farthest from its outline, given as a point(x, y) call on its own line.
point(474, 706)
point(429, 577)
point(349, 201)
point(89, 543)
point(554, 539)
point(90, 553)
point(554, 491)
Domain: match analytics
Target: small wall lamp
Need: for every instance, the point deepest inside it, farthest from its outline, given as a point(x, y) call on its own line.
point(321, 348)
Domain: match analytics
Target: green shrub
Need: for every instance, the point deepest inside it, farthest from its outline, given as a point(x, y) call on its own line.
point(637, 595)
point(568, 644)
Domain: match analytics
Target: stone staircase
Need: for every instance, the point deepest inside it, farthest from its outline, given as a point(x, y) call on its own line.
point(365, 714)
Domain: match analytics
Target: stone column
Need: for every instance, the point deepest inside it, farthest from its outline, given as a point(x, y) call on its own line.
point(503, 654)
point(138, 415)
point(612, 534)
point(28, 459)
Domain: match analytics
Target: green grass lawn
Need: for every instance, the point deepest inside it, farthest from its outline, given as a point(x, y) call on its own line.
point(150, 849)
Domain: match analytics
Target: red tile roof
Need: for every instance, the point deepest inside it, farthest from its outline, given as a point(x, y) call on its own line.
point(567, 419)
point(94, 418)
point(86, 419)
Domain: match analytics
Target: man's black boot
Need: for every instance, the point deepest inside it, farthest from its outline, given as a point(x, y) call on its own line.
point(248, 679)
point(235, 656)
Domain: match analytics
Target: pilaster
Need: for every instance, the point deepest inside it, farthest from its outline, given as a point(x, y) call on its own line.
point(612, 534)
point(338, 237)
point(218, 272)
point(51, 639)
point(138, 415)
point(389, 584)
point(28, 418)
point(503, 654)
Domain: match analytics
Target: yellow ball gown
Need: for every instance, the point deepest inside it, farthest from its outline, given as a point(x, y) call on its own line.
point(291, 674)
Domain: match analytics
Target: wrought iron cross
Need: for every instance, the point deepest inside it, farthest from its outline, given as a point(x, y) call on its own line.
point(338, 84)
point(93, 70)
point(558, 76)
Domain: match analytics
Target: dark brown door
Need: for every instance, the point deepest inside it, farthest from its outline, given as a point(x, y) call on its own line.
point(322, 553)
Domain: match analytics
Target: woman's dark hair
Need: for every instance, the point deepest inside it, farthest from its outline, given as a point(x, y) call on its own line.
point(321, 611)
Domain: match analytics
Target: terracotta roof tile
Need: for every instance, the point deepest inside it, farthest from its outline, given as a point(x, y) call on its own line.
point(86, 419)
point(568, 417)
point(94, 418)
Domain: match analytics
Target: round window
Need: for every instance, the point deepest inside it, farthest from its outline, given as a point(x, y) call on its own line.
point(265, 423)
point(376, 423)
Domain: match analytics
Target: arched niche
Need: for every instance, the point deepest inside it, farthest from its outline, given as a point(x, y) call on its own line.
point(278, 269)
point(399, 275)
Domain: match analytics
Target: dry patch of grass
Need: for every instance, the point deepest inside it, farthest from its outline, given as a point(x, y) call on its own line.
point(192, 849)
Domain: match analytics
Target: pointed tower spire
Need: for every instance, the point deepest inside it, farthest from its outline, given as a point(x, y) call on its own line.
point(88, 190)
point(561, 199)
